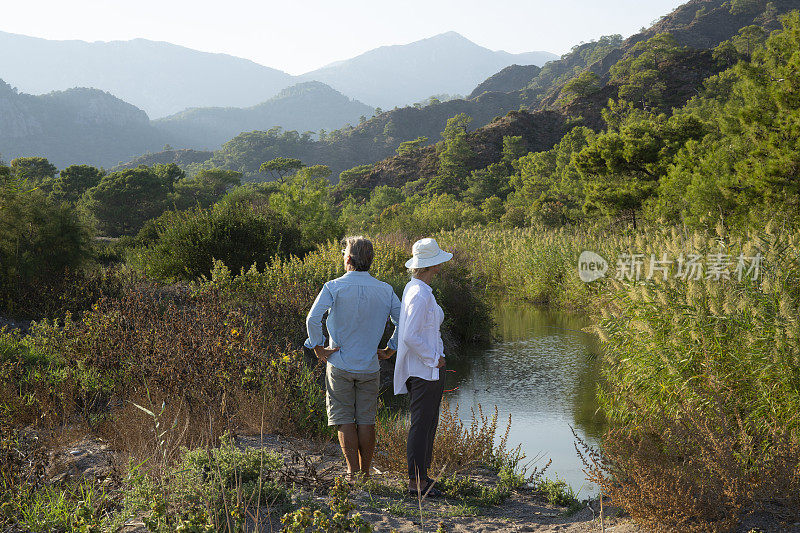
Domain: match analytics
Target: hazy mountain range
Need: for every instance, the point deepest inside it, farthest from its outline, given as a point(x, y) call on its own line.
point(403, 74)
point(74, 126)
point(95, 127)
point(308, 106)
point(163, 78)
point(699, 24)
point(158, 77)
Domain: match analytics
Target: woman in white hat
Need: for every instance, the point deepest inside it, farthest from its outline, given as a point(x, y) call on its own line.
point(420, 361)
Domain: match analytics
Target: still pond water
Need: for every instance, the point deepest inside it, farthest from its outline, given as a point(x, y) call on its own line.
point(543, 371)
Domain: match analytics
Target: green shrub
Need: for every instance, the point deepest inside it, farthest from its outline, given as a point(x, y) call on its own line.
point(557, 492)
point(40, 244)
point(183, 245)
point(206, 489)
point(219, 473)
point(336, 519)
point(468, 490)
point(305, 201)
point(81, 507)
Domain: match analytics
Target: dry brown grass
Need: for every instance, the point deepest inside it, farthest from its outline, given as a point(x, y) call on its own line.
point(699, 473)
point(205, 362)
point(457, 447)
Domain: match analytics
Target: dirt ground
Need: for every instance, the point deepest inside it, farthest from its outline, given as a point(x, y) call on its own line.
point(388, 508)
point(312, 467)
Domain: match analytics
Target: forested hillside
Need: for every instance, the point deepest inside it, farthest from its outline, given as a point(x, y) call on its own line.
point(511, 78)
point(578, 86)
point(74, 126)
point(697, 25)
point(684, 134)
point(372, 140)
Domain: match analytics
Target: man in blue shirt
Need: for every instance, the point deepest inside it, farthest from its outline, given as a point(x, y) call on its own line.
point(358, 307)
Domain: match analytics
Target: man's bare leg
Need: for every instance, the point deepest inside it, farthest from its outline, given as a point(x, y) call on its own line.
point(348, 440)
point(366, 447)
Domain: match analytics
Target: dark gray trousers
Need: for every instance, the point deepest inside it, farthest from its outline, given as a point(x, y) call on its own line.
point(426, 399)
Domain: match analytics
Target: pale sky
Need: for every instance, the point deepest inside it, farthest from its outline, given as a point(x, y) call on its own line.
point(298, 36)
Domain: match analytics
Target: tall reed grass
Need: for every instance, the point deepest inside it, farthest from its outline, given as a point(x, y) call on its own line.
point(534, 264)
point(702, 375)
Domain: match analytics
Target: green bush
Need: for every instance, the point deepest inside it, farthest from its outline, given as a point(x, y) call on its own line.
point(557, 492)
point(306, 202)
point(40, 242)
point(388, 211)
point(336, 519)
point(124, 200)
point(468, 490)
point(183, 245)
point(206, 489)
point(79, 507)
point(213, 474)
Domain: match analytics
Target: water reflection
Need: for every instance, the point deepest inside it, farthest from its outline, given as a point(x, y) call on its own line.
point(543, 370)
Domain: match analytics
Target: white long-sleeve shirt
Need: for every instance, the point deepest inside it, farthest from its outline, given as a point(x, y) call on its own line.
point(419, 343)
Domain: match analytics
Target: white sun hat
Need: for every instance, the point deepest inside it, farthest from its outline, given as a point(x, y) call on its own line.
point(426, 252)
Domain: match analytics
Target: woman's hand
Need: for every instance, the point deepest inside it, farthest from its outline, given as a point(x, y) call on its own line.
point(440, 364)
point(385, 353)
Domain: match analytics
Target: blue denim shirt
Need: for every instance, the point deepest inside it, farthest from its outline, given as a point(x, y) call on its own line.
point(359, 306)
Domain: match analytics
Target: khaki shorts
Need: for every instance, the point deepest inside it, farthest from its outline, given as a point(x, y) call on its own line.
point(352, 397)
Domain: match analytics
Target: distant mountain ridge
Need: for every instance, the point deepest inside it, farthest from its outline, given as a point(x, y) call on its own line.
point(163, 78)
point(702, 23)
point(94, 127)
point(159, 77)
point(402, 74)
point(74, 126)
point(308, 106)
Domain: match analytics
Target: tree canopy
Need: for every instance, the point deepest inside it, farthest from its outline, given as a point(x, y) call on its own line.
point(124, 200)
point(280, 167)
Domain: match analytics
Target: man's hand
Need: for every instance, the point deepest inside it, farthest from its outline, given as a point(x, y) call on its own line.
point(323, 353)
point(385, 353)
point(440, 364)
